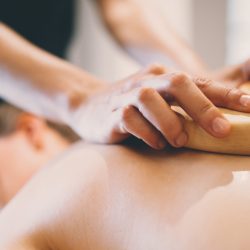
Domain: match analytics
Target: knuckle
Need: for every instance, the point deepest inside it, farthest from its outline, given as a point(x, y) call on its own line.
point(156, 68)
point(145, 94)
point(202, 82)
point(178, 80)
point(127, 113)
point(229, 93)
point(232, 93)
point(205, 109)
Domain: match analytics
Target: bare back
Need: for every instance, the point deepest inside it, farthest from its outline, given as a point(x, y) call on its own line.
point(113, 197)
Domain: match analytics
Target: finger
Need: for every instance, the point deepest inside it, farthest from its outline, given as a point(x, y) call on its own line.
point(152, 69)
point(246, 70)
point(156, 69)
point(144, 74)
point(134, 123)
point(223, 96)
point(155, 109)
point(198, 106)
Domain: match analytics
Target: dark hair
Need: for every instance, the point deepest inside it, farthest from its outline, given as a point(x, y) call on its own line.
point(9, 115)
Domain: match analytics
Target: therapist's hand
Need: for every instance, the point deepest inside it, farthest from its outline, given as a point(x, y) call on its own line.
point(234, 75)
point(140, 106)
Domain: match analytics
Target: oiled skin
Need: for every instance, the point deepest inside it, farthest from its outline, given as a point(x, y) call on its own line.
point(116, 198)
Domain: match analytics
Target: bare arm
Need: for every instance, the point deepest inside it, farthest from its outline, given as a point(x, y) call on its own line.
point(27, 71)
point(46, 71)
point(139, 105)
point(148, 38)
point(141, 31)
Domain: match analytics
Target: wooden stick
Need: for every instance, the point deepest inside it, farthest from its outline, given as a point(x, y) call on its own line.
point(238, 142)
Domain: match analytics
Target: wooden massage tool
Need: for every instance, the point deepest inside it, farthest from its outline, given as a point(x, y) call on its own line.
point(238, 142)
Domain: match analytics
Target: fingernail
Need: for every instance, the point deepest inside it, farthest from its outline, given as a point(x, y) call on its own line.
point(245, 100)
point(221, 125)
point(162, 144)
point(181, 140)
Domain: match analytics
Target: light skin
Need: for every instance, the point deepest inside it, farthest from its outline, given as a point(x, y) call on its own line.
point(144, 97)
point(134, 24)
point(69, 179)
point(116, 197)
point(24, 152)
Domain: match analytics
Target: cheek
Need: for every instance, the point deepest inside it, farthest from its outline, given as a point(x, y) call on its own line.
point(8, 166)
point(13, 155)
point(6, 155)
point(17, 155)
point(14, 168)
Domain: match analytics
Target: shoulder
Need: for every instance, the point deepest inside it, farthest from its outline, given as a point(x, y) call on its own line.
point(69, 185)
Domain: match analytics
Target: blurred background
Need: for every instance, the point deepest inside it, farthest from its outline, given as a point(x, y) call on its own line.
point(219, 30)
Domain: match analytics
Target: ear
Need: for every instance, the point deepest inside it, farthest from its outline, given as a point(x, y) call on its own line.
point(34, 128)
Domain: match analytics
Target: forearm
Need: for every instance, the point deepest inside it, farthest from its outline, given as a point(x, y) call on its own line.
point(40, 72)
point(137, 28)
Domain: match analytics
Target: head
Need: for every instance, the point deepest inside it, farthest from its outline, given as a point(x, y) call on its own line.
point(27, 143)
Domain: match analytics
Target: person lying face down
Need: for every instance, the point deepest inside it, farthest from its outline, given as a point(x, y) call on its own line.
point(97, 197)
point(27, 142)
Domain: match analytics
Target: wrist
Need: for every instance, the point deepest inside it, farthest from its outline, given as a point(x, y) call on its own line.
point(56, 76)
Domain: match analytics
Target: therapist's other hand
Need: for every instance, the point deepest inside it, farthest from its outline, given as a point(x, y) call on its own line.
point(234, 75)
point(140, 106)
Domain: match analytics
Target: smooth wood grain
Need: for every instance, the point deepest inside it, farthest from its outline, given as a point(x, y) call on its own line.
point(238, 142)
